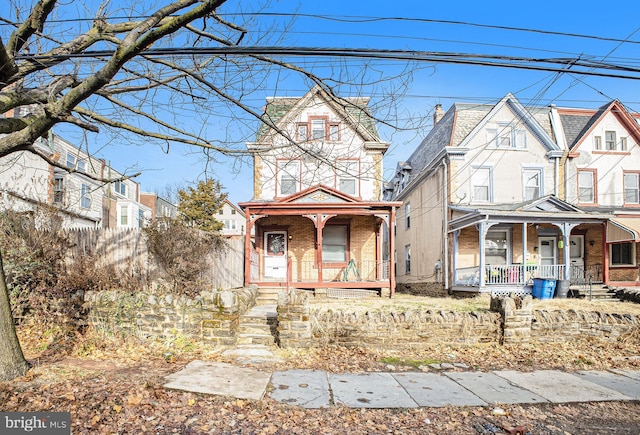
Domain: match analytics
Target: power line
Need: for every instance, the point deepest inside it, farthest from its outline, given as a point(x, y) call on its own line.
point(539, 64)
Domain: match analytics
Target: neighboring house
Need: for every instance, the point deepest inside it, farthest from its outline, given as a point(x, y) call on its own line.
point(26, 180)
point(160, 208)
point(496, 195)
point(122, 207)
point(317, 210)
point(233, 219)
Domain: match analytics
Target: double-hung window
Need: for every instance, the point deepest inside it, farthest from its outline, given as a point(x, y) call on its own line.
point(317, 129)
point(481, 185)
point(631, 187)
point(610, 140)
point(85, 196)
point(347, 175)
point(335, 244)
point(407, 216)
point(407, 259)
point(288, 177)
point(58, 190)
point(301, 132)
point(507, 136)
point(334, 132)
point(586, 186)
point(71, 161)
point(532, 182)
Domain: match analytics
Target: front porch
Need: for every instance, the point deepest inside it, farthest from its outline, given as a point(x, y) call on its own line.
point(502, 251)
point(321, 240)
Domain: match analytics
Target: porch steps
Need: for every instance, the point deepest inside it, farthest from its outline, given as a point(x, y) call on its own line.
point(268, 295)
point(259, 326)
point(598, 291)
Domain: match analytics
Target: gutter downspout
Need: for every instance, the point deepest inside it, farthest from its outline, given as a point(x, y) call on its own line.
point(445, 224)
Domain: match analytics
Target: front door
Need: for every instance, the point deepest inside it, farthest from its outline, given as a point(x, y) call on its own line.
point(548, 256)
point(275, 255)
point(576, 251)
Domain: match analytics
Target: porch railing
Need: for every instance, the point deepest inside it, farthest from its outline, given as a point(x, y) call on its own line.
point(307, 271)
point(514, 274)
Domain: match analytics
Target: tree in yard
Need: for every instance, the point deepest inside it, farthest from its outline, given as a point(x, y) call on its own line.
point(198, 207)
point(124, 73)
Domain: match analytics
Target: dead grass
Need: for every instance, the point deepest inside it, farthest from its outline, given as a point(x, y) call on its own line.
point(402, 302)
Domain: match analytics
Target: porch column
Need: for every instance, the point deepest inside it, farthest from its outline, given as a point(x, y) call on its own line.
point(392, 249)
point(566, 233)
point(247, 247)
point(319, 226)
point(523, 270)
point(454, 262)
point(605, 254)
point(482, 232)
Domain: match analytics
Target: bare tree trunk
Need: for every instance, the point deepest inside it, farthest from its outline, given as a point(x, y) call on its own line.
point(12, 362)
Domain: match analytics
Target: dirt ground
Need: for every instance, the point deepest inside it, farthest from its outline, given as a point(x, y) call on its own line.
point(112, 384)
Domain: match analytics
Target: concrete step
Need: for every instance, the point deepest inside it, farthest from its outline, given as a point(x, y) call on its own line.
point(596, 292)
point(268, 295)
point(259, 326)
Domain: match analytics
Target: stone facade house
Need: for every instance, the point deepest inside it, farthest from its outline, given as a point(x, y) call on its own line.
point(317, 212)
point(497, 195)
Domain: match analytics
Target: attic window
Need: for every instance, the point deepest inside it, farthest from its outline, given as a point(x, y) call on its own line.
point(506, 136)
point(317, 128)
point(301, 133)
point(334, 132)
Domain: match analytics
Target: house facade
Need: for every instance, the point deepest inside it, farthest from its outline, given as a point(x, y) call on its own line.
point(26, 181)
point(495, 196)
point(317, 212)
point(233, 218)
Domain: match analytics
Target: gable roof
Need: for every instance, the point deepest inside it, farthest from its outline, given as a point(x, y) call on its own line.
point(353, 110)
point(578, 123)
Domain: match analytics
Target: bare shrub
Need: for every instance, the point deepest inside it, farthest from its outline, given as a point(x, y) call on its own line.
point(183, 252)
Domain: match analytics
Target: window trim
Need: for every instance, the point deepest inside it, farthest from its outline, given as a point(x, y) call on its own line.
point(597, 143)
point(58, 189)
point(610, 143)
point(299, 137)
point(594, 179)
point(632, 255)
point(341, 173)
point(407, 259)
point(125, 208)
point(474, 173)
point(298, 182)
point(624, 188)
point(347, 255)
point(325, 121)
point(407, 215)
point(85, 195)
point(540, 173)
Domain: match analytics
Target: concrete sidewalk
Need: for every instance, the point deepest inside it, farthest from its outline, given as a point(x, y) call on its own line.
point(319, 389)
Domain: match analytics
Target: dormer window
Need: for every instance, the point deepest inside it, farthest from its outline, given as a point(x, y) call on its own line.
point(120, 188)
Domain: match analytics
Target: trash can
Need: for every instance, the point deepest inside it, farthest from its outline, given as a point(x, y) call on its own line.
point(543, 288)
point(562, 288)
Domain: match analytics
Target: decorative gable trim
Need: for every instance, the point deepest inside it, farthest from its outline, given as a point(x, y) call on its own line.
point(550, 203)
point(527, 119)
point(616, 108)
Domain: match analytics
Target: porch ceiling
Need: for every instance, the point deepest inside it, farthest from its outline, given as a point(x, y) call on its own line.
point(623, 230)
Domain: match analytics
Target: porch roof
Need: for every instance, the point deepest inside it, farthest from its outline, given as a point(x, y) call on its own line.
point(543, 210)
point(623, 230)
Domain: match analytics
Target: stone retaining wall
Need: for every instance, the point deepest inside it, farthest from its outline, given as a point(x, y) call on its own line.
point(212, 317)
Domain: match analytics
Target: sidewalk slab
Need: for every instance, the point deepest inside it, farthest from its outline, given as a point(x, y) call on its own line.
point(633, 374)
point(434, 390)
point(560, 387)
point(305, 388)
point(622, 384)
point(369, 390)
point(219, 379)
point(494, 389)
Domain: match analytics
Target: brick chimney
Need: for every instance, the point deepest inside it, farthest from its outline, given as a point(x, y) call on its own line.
point(438, 113)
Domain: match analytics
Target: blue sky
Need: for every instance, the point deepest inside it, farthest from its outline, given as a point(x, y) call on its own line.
point(343, 25)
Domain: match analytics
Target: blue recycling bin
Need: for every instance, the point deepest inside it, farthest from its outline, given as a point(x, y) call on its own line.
point(543, 288)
